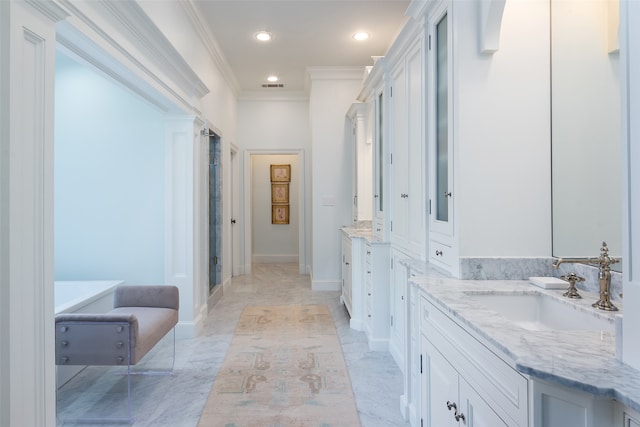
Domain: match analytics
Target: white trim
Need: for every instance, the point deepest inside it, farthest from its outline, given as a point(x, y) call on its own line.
point(302, 219)
point(326, 285)
point(275, 259)
point(235, 165)
point(119, 52)
point(209, 41)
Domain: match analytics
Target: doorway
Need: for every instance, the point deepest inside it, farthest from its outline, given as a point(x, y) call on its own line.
point(299, 209)
point(215, 212)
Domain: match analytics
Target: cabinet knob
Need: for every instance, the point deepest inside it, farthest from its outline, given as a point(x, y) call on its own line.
point(459, 417)
point(452, 405)
point(438, 253)
point(447, 194)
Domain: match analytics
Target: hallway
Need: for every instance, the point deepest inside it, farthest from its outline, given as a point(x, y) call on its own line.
point(177, 401)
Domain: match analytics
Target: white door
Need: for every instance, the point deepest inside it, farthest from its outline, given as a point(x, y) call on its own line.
point(440, 388)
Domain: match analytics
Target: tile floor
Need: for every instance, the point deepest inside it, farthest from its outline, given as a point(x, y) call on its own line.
point(177, 400)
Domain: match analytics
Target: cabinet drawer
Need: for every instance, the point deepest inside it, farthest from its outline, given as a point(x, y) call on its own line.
point(505, 389)
point(441, 253)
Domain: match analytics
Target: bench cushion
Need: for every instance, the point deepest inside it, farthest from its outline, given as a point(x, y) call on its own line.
point(153, 324)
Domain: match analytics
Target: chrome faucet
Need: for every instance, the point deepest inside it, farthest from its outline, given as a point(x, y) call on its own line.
point(603, 262)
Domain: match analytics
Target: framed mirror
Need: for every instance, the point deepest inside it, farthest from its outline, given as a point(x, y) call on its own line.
point(585, 122)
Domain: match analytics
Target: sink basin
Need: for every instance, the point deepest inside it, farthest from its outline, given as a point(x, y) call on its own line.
point(540, 312)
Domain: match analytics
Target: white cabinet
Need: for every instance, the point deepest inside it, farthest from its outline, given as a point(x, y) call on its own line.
point(352, 279)
point(626, 417)
point(458, 369)
point(347, 274)
point(398, 307)
point(408, 212)
point(380, 163)
point(376, 306)
point(442, 249)
point(556, 406)
point(449, 399)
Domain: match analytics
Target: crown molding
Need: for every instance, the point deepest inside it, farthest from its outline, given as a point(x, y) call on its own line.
point(139, 29)
point(215, 52)
point(373, 79)
point(73, 44)
point(50, 9)
point(87, 47)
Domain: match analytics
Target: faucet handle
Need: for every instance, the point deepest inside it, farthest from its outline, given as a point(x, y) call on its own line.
point(572, 291)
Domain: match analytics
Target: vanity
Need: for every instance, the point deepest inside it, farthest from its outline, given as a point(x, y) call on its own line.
point(488, 358)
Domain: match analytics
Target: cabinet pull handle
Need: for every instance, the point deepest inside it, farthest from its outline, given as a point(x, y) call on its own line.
point(459, 417)
point(452, 405)
point(438, 253)
point(346, 263)
point(447, 194)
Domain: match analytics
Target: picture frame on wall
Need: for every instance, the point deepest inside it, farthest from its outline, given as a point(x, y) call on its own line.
point(280, 214)
point(280, 193)
point(280, 173)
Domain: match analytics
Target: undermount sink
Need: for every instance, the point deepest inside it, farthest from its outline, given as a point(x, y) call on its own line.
point(540, 312)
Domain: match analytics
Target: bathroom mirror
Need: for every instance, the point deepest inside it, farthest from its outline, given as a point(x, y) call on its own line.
point(585, 122)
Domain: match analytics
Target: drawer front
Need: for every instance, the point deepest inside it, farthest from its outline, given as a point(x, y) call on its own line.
point(505, 389)
point(441, 253)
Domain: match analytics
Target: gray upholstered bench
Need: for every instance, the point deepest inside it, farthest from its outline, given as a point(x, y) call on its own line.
point(141, 317)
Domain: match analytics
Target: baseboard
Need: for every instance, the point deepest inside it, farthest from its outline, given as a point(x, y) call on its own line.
point(356, 325)
point(275, 259)
point(397, 355)
point(326, 285)
point(191, 328)
point(404, 407)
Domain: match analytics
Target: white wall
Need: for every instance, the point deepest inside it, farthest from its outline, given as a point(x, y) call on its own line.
point(332, 93)
point(278, 125)
point(109, 180)
point(180, 24)
point(501, 131)
point(273, 242)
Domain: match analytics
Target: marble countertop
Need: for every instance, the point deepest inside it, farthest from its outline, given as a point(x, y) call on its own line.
point(363, 233)
point(583, 360)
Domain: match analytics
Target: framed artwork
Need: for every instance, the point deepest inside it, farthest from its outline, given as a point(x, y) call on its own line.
point(280, 193)
point(280, 214)
point(280, 173)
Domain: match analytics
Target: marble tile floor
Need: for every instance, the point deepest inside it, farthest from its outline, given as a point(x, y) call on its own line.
point(177, 400)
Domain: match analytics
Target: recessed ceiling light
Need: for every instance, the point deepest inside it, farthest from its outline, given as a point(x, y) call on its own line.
point(272, 79)
point(361, 36)
point(263, 36)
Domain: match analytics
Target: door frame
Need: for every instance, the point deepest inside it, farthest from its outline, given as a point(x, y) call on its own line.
point(302, 222)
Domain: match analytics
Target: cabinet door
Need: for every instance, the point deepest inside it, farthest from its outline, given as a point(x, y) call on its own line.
point(440, 110)
point(399, 158)
point(415, 195)
point(380, 165)
point(439, 388)
point(399, 276)
point(346, 273)
point(476, 412)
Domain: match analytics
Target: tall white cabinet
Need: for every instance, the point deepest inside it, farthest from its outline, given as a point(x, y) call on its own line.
point(407, 157)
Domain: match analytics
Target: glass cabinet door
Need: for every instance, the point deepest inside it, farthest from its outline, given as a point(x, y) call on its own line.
point(440, 114)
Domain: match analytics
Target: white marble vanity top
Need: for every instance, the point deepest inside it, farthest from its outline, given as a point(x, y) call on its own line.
point(583, 360)
point(362, 233)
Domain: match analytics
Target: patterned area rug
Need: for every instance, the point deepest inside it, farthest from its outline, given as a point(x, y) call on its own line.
point(284, 368)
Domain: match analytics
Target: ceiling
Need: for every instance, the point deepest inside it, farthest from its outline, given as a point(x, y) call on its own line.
point(305, 33)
